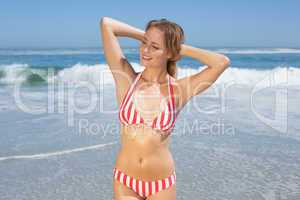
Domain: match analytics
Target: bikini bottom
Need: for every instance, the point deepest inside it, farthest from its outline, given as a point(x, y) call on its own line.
point(144, 188)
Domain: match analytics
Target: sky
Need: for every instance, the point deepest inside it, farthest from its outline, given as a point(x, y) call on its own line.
point(210, 23)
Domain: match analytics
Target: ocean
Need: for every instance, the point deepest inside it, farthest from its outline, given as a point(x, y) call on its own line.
point(59, 129)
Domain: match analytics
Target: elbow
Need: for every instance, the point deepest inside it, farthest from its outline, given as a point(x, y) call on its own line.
point(105, 24)
point(104, 21)
point(224, 62)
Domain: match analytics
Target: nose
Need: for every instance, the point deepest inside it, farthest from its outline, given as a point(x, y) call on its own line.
point(146, 49)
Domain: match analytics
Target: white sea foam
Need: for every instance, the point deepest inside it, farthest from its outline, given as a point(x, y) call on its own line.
point(99, 74)
point(10, 74)
point(57, 153)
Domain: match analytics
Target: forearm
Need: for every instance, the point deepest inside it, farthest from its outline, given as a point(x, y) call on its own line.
point(122, 29)
point(209, 58)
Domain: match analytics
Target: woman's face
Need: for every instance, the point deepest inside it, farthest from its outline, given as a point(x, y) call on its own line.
point(153, 52)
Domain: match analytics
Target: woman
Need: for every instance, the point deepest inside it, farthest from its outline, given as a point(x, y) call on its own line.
point(149, 102)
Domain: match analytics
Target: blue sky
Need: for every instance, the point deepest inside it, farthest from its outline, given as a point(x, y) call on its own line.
point(240, 23)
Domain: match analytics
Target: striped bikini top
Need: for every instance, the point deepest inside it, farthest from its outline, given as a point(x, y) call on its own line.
point(165, 121)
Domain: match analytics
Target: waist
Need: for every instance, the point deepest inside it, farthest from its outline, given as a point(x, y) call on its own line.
point(149, 166)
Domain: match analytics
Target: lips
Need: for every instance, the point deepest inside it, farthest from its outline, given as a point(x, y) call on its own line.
point(146, 57)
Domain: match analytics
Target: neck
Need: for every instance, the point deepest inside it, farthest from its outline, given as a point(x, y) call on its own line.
point(155, 74)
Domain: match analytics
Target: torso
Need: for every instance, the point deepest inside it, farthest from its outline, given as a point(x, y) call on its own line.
point(144, 152)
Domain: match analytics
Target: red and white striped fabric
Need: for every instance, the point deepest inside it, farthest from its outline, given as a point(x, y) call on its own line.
point(165, 121)
point(144, 188)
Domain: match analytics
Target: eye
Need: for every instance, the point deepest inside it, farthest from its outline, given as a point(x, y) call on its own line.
point(155, 47)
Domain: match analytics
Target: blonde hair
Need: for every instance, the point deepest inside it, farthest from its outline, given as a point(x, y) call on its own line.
point(174, 37)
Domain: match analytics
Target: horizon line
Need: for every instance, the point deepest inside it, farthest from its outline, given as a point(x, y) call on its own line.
point(129, 46)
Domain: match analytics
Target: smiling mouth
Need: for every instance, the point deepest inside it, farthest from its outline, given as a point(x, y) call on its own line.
point(146, 58)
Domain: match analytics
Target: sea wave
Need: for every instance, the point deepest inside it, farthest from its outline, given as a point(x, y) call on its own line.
point(100, 74)
point(22, 73)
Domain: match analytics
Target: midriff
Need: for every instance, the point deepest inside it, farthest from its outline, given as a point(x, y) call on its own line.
point(144, 153)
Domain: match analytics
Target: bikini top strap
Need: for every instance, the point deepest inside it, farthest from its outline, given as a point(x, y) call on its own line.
point(131, 88)
point(136, 80)
point(171, 90)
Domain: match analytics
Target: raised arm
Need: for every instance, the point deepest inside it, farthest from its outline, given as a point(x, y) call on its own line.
point(122, 71)
point(195, 84)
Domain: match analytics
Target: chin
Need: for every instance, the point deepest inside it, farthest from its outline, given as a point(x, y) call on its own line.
point(143, 63)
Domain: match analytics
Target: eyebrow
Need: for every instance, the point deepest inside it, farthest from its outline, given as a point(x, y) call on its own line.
point(152, 42)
